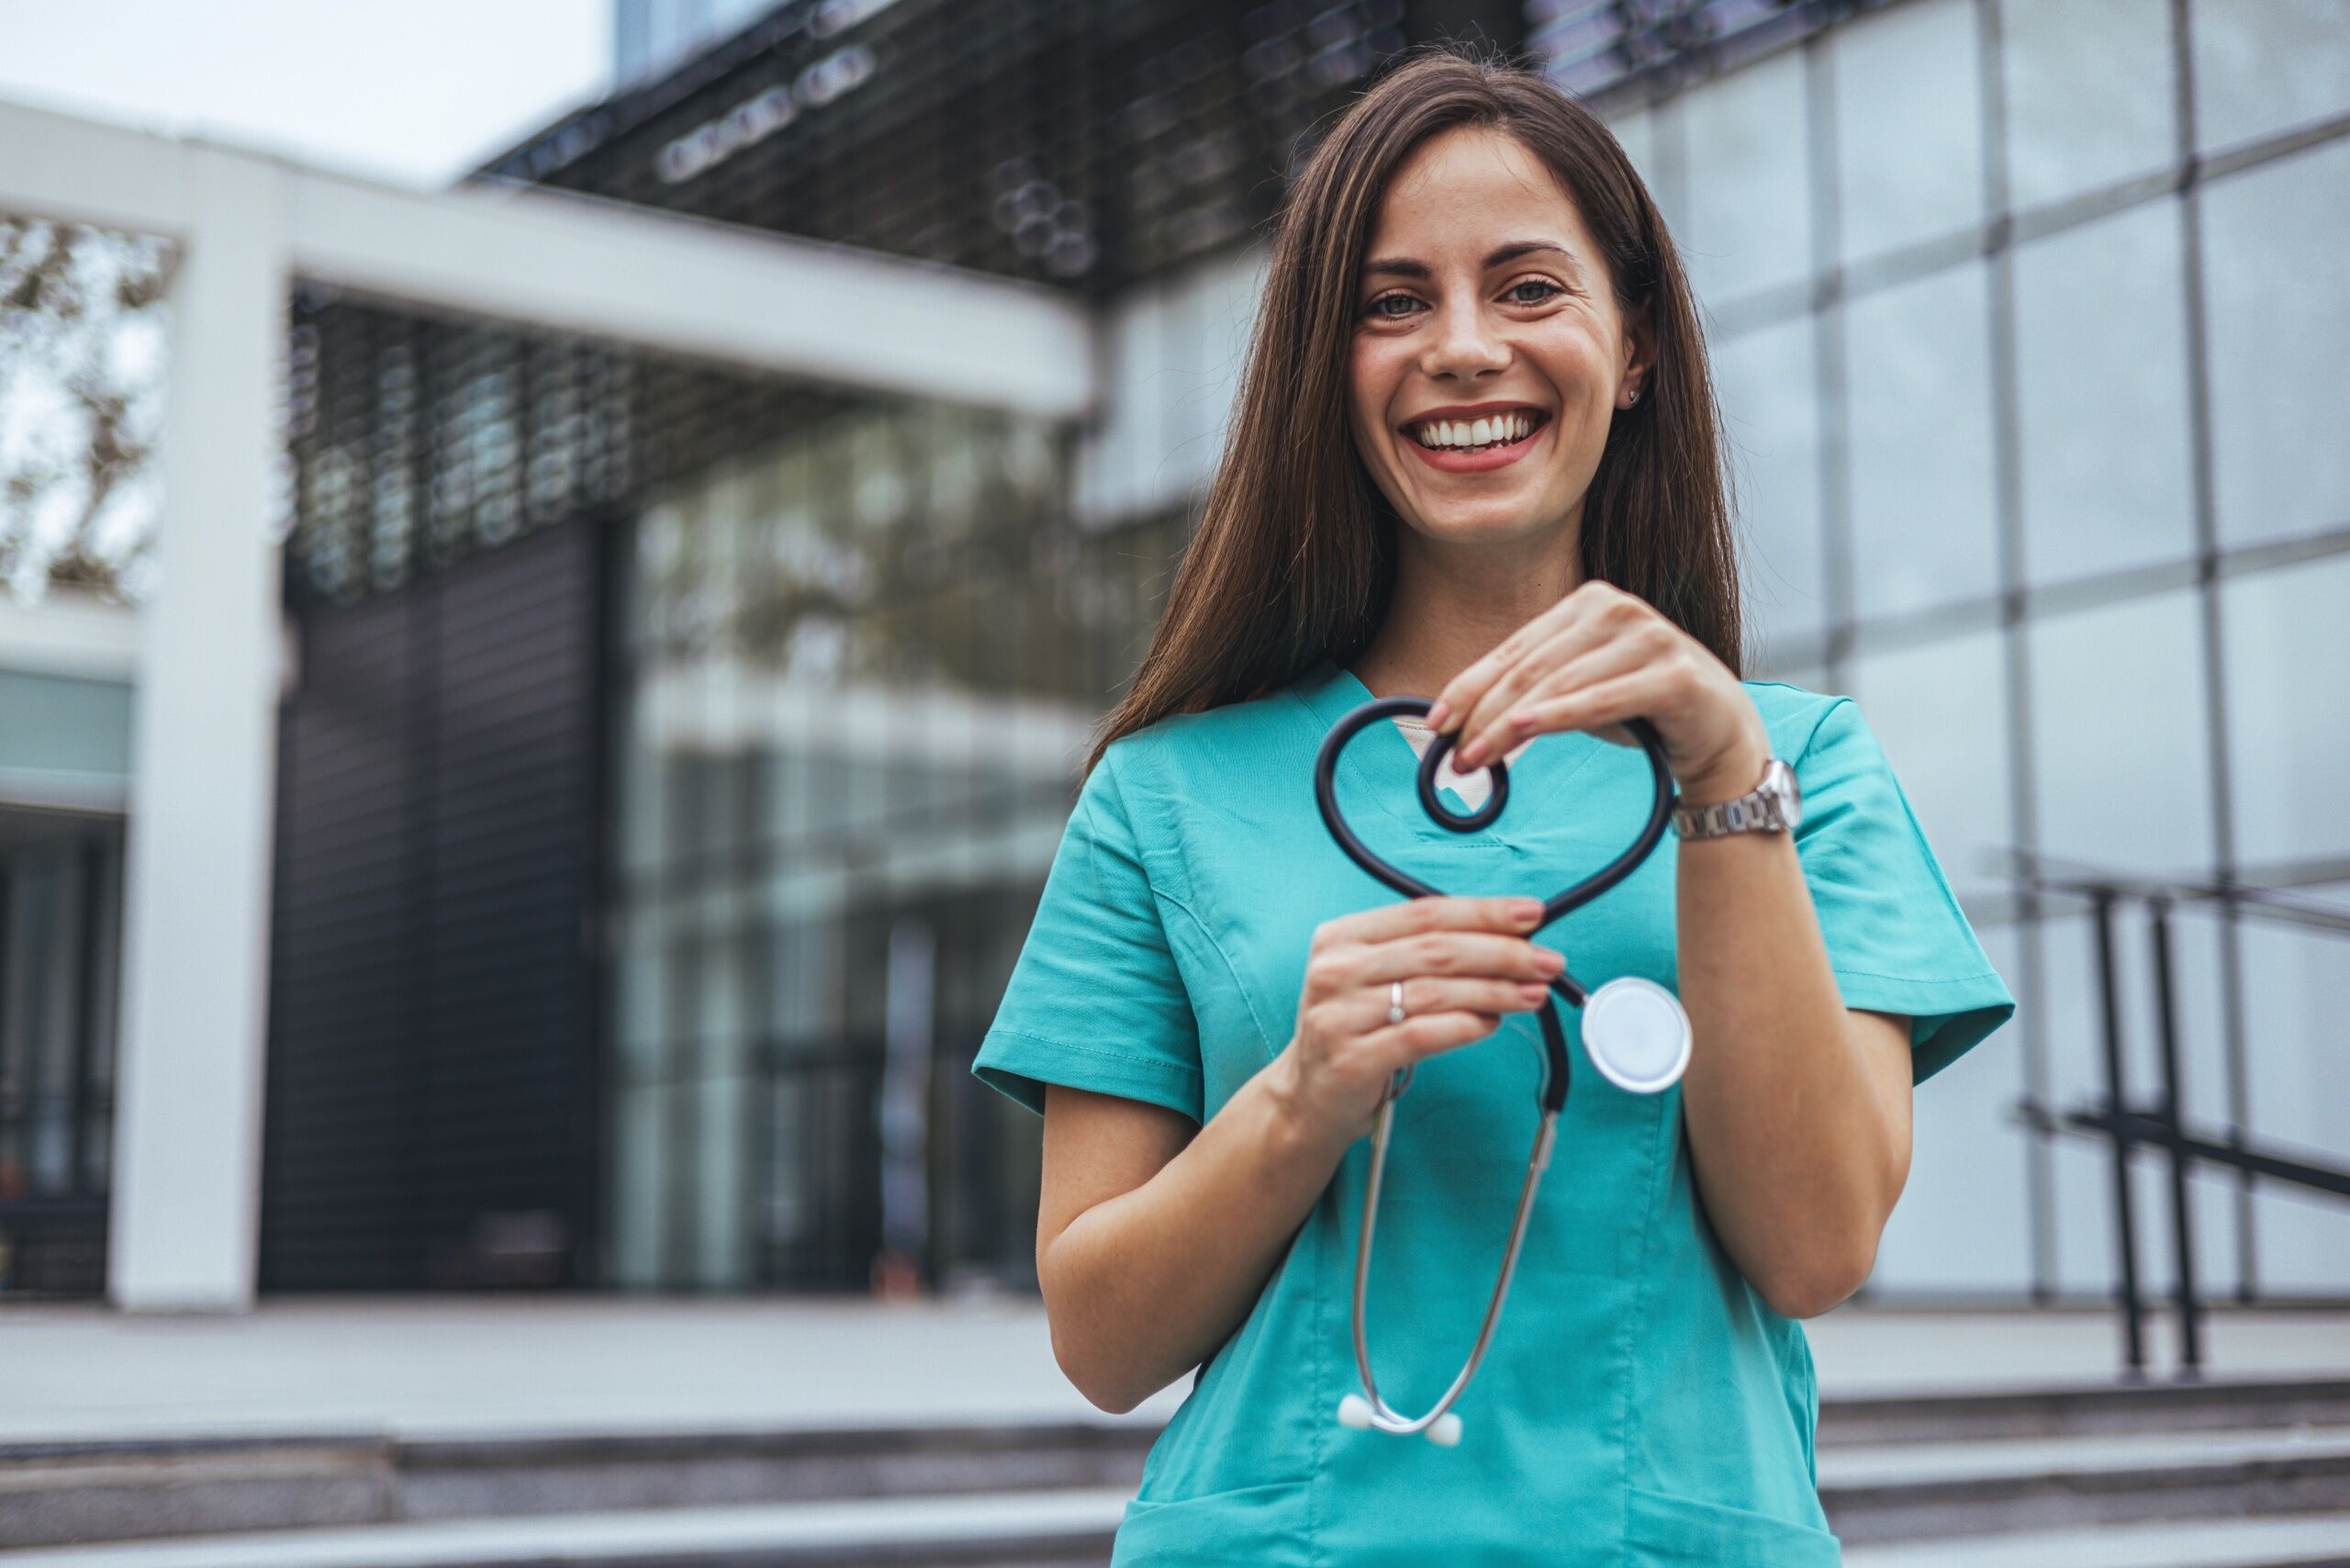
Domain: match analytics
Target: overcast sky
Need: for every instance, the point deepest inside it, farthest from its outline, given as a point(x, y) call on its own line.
point(415, 92)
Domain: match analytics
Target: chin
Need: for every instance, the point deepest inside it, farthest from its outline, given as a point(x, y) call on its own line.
point(1483, 520)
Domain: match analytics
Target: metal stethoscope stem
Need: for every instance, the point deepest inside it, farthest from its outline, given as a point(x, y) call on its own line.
point(1368, 1409)
point(1651, 1032)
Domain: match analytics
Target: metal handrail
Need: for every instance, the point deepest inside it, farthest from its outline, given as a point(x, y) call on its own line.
point(2085, 882)
point(2164, 1126)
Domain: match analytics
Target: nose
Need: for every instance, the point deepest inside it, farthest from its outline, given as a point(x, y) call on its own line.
point(1464, 344)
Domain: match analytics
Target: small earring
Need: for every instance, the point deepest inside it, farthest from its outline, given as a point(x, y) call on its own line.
point(1632, 397)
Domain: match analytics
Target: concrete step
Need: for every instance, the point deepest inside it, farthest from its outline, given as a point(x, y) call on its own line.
point(2315, 1540)
point(1063, 1528)
point(59, 1493)
point(1059, 1528)
point(2029, 1460)
point(1915, 1492)
point(2049, 1412)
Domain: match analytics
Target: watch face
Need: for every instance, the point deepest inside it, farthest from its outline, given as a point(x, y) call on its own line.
point(1782, 784)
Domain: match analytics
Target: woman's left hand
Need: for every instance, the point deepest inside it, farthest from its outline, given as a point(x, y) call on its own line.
point(1598, 656)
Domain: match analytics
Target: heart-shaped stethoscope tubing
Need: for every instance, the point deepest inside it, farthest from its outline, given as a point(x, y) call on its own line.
point(1651, 1031)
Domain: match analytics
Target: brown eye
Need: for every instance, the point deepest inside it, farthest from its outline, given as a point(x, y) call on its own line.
point(1548, 288)
point(1379, 306)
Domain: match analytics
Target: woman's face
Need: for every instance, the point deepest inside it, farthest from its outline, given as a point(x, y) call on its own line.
point(1488, 353)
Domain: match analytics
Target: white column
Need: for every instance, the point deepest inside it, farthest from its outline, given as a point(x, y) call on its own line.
point(187, 1118)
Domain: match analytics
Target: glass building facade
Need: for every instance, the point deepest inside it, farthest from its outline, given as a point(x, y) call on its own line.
point(2030, 322)
point(859, 671)
point(650, 34)
point(2028, 317)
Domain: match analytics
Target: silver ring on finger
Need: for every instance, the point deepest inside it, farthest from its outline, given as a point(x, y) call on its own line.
point(1395, 1001)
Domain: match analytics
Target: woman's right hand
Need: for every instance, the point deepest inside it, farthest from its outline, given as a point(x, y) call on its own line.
point(1464, 962)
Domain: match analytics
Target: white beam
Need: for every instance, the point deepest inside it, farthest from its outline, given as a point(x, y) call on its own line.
point(532, 256)
point(185, 1213)
point(70, 634)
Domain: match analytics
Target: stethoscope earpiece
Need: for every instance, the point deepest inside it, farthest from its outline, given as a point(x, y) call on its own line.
point(1355, 1412)
point(1634, 1031)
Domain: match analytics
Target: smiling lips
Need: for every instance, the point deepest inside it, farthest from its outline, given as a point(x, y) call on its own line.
point(1470, 441)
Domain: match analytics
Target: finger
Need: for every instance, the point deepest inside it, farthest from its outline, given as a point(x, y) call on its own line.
point(1587, 655)
point(1453, 954)
point(1602, 707)
point(1566, 637)
point(1424, 994)
point(1437, 911)
point(1465, 691)
point(1403, 1045)
point(1613, 660)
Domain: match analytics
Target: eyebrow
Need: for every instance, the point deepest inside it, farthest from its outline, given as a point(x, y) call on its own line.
point(1401, 266)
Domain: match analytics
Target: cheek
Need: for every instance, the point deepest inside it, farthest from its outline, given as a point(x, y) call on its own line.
point(1576, 356)
point(1369, 387)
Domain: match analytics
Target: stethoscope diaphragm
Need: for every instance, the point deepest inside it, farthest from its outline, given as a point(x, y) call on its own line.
point(1636, 1033)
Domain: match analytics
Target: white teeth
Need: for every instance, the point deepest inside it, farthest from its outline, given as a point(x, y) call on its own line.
point(1511, 426)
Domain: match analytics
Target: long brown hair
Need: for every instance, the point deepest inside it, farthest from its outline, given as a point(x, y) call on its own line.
point(1293, 560)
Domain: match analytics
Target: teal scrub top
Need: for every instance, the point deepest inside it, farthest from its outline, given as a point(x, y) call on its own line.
point(1640, 1403)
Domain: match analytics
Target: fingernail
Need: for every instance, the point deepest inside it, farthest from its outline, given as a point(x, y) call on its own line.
point(1554, 960)
point(1533, 993)
point(1436, 715)
point(1526, 908)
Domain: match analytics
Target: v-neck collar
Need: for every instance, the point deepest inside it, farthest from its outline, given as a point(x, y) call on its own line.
point(1332, 691)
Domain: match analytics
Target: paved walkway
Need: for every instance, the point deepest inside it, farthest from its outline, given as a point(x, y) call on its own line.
point(474, 1366)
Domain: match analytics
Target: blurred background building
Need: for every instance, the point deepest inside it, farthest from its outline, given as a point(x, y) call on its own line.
point(670, 755)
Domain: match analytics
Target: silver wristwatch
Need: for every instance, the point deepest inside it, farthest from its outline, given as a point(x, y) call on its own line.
point(1774, 805)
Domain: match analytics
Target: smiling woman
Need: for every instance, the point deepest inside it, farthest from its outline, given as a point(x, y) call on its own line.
point(1475, 214)
point(1532, 325)
point(1475, 454)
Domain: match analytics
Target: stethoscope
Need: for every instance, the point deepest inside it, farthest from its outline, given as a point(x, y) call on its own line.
point(1633, 1029)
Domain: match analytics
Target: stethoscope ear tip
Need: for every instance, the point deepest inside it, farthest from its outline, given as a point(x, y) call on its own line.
point(1355, 1413)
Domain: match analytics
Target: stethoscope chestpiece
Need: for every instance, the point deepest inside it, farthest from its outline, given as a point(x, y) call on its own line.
point(1636, 1034)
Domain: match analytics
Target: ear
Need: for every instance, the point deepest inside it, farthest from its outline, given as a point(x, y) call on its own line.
point(1639, 356)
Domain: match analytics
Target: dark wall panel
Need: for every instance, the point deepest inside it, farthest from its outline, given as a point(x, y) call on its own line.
point(433, 1055)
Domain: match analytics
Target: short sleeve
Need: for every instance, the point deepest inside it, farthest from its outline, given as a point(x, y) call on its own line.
point(1095, 1000)
point(1895, 933)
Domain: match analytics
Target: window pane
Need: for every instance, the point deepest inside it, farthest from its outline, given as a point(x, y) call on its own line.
point(2074, 1054)
point(1749, 187)
point(1908, 125)
point(1771, 410)
point(2286, 637)
point(640, 1184)
point(1965, 1219)
point(2277, 249)
point(2101, 336)
point(1636, 132)
point(2117, 728)
point(2089, 87)
point(2294, 982)
point(2263, 66)
point(1922, 506)
point(722, 1167)
point(1941, 712)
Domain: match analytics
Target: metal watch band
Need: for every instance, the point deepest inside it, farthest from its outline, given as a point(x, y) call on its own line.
point(1759, 810)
